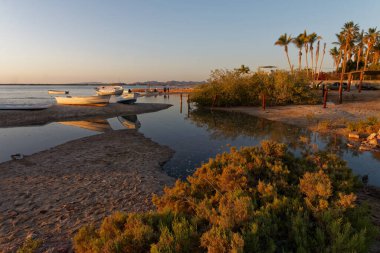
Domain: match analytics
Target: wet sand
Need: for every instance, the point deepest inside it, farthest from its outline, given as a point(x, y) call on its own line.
point(11, 118)
point(54, 192)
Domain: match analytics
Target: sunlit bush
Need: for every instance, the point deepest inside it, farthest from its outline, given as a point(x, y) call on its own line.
point(234, 88)
point(256, 199)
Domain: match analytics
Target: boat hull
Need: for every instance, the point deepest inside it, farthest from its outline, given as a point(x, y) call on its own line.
point(89, 100)
point(109, 90)
point(127, 98)
point(58, 92)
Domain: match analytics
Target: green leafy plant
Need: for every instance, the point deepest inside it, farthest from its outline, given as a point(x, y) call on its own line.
point(256, 199)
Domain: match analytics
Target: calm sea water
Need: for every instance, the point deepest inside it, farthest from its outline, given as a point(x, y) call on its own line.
point(195, 135)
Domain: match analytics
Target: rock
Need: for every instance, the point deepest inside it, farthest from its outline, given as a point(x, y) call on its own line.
point(354, 135)
point(371, 136)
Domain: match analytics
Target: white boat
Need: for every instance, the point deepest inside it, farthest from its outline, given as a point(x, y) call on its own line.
point(58, 92)
point(109, 90)
point(87, 100)
point(127, 98)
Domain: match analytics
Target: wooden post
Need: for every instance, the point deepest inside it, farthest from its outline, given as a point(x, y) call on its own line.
point(263, 101)
point(349, 82)
point(188, 105)
point(180, 106)
point(361, 81)
point(325, 97)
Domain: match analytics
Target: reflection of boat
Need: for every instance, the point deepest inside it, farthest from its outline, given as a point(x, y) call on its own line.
point(87, 100)
point(28, 107)
point(109, 90)
point(127, 98)
point(99, 125)
point(129, 121)
point(58, 92)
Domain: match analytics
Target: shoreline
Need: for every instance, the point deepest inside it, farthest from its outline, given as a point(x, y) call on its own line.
point(356, 106)
point(52, 193)
point(14, 118)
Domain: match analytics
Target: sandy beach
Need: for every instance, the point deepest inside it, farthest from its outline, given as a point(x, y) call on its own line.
point(53, 193)
point(11, 118)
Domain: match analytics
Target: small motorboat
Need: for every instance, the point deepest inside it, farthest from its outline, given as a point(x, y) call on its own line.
point(58, 92)
point(127, 98)
point(86, 100)
point(109, 90)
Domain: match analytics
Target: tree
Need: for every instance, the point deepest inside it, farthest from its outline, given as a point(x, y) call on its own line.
point(359, 48)
point(299, 43)
point(312, 38)
point(349, 33)
point(335, 53)
point(305, 39)
point(370, 39)
point(284, 41)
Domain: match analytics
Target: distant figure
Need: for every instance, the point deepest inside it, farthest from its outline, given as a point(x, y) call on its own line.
point(129, 91)
point(155, 90)
point(365, 180)
point(167, 89)
point(164, 89)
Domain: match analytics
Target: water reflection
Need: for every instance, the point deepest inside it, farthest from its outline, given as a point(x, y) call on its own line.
point(98, 125)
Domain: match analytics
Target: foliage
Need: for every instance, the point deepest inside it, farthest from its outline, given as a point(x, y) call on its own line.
point(30, 245)
point(234, 88)
point(367, 126)
point(256, 199)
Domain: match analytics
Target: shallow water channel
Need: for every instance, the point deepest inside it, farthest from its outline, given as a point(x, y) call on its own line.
point(195, 135)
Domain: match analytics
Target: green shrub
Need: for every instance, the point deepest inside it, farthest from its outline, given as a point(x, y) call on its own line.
point(367, 126)
point(234, 88)
point(256, 199)
point(30, 245)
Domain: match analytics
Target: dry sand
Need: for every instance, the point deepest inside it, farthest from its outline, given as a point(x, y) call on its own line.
point(9, 118)
point(55, 192)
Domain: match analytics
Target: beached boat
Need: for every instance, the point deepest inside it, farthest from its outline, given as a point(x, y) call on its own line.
point(109, 90)
point(127, 98)
point(25, 107)
point(58, 92)
point(86, 100)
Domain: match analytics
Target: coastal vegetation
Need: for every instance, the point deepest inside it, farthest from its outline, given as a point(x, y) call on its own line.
point(256, 199)
point(237, 87)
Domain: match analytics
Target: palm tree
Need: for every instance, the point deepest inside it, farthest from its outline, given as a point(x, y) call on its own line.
point(335, 53)
point(359, 48)
point(376, 53)
point(370, 38)
point(349, 32)
point(323, 56)
point(312, 38)
point(284, 41)
point(305, 39)
point(299, 42)
point(243, 69)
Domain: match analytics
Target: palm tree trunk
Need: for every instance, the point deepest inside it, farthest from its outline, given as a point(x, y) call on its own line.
point(299, 59)
point(342, 75)
point(358, 60)
point(312, 62)
point(316, 57)
point(307, 62)
point(323, 56)
point(290, 65)
point(366, 58)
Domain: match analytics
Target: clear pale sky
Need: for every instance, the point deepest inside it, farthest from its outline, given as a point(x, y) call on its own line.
point(62, 41)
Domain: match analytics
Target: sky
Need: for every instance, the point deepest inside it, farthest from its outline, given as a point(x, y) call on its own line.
point(67, 41)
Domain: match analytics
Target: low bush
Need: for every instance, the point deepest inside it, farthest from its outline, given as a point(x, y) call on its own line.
point(256, 199)
point(234, 88)
point(367, 126)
